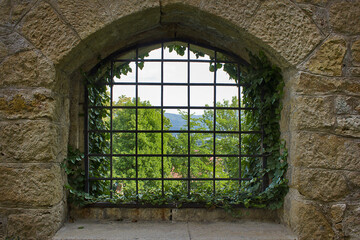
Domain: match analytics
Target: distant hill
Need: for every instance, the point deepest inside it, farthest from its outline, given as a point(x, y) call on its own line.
point(177, 121)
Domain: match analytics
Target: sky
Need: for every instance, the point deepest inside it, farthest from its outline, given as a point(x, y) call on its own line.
point(176, 72)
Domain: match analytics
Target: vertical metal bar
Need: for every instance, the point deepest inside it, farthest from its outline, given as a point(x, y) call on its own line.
point(214, 128)
point(136, 120)
point(188, 120)
point(111, 127)
point(86, 139)
point(162, 118)
point(265, 179)
point(239, 115)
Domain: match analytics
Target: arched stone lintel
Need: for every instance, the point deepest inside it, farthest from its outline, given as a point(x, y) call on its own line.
point(73, 35)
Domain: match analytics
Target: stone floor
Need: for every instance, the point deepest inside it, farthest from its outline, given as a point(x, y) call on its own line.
point(246, 230)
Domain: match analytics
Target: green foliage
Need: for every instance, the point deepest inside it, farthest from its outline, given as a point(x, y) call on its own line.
point(263, 92)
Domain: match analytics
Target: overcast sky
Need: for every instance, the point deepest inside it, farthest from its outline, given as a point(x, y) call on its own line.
point(176, 72)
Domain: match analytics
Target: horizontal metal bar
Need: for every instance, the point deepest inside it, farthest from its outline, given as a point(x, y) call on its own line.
point(169, 205)
point(172, 60)
point(174, 131)
point(177, 155)
point(175, 84)
point(170, 179)
point(173, 107)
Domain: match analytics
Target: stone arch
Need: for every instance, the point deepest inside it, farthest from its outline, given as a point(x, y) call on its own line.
point(45, 44)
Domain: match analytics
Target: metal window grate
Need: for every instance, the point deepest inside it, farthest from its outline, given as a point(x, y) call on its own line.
point(215, 133)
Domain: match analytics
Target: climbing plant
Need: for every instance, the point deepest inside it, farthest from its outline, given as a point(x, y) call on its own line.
point(263, 90)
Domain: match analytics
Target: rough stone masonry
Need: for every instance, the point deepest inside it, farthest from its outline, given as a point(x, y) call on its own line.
point(46, 44)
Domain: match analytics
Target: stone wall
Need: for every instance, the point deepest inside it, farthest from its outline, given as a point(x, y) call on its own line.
point(44, 46)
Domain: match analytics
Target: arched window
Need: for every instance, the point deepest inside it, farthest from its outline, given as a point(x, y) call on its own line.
point(167, 121)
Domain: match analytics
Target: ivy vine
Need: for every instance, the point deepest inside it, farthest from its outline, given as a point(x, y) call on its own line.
point(263, 92)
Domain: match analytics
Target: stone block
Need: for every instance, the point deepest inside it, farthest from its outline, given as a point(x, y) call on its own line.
point(355, 53)
point(32, 141)
point(321, 150)
point(337, 212)
point(5, 12)
point(319, 184)
point(314, 85)
point(344, 17)
point(348, 126)
point(120, 9)
point(19, 9)
point(309, 222)
point(27, 104)
point(34, 224)
point(122, 214)
point(287, 29)
point(31, 185)
point(351, 221)
point(328, 59)
point(48, 32)
point(237, 12)
point(347, 105)
point(14, 43)
point(205, 215)
point(312, 113)
point(354, 71)
point(27, 69)
point(85, 16)
point(317, 2)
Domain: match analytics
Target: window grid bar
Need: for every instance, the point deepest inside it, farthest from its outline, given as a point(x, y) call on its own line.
point(174, 179)
point(188, 120)
point(111, 133)
point(86, 141)
point(240, 130)
point(162, 131)
point(136, 122)
point(172, 107)
point(172, 60)
point(176, 131)
point(214, 127)
point(177, 155)
point(162, 119)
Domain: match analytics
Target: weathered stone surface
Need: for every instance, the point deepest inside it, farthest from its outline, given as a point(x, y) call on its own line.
point(44, 28)
point(354, 71)
point(347, 105)
point(312, 113)
point(29, 104)
point(34, 224)
point(355, 53)
point(237, 12)
point(321, 150)
point(345, 17)
point(318, 184)
point(328, 59)
point(31, 185)
point(348, 125)
point(5, 12)
point(14, 43)
point(120, 9)
point(337, 212)
point(314, 85)
point(319, 15)
point(354, 178)
point(85, 16)
point(284, 27)
point(308, 222)
point(313, 1)
point(32, 141)
point(27, 69)
point(351, 221)
point(20, 8)
point(3, 51)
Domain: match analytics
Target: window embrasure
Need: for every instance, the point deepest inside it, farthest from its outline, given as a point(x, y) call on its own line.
point(169, 124)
